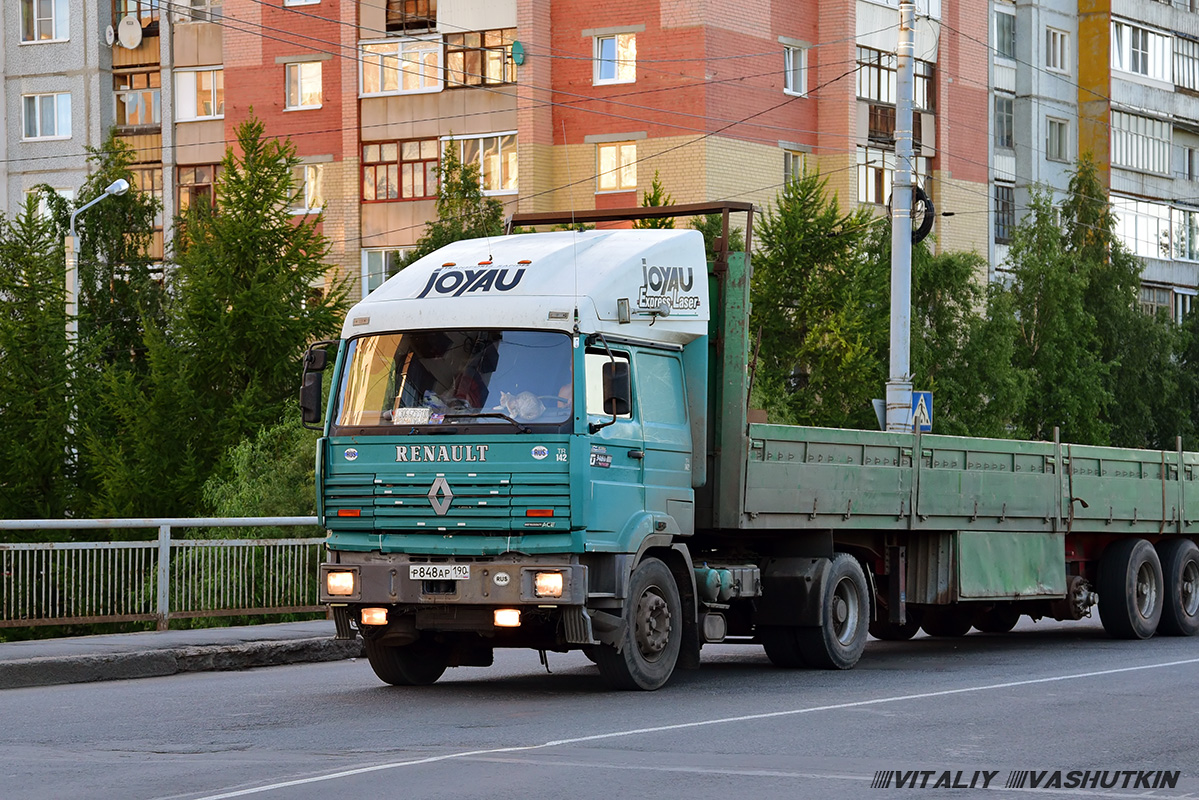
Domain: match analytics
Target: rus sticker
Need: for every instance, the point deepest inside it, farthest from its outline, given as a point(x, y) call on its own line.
point(351, 454)
point(540, 452)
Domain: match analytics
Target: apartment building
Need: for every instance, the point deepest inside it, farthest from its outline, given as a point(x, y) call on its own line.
point(1118, 79)
point(562, 105)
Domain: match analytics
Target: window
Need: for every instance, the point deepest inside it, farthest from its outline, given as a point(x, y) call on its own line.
point(145, 11)
point(411, 16)
point(136, 95)
point(593, 370)
point(44, 20)
point(1186, 63)
point(197, 10)
point(615, 59)
point(1005, 212)
point(1190, 163)
point(1004, 121)
point(1156, 299)
point(306, 182)
point(925, 80)
point(1057, 50)
point(1141, 51)
point(378, 266)
point(1057, 139)
point(1182, 305)
point(1143, 227)
point(617, 169)
point(300, 2)
point(47, 116)
point(401, 67)
point(147, 179)
point(199, 94)
point(1005, 35)
point(43, 207)
point(795, 76)
point(197, 182)
point(793, 165)
point(1185, 225)
point(303, 85)
point(876, 75)
point(480, 58)
point(496, 157)
point(875, 168)
point(1141, 143)
point(400, 170)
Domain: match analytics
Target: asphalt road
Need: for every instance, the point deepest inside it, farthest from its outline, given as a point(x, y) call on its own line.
point(1049, 697)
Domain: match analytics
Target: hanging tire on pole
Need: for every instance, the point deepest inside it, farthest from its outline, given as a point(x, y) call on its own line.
point(653, 631)
point(1131, 589)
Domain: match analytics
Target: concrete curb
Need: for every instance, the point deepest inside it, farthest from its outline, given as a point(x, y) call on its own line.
point(55, 670)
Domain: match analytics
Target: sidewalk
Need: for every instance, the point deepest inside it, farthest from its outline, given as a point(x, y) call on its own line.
point(119, 656)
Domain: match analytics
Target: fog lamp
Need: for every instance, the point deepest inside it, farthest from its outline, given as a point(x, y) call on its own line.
point(507, 618)
point(339, 584)
point(374, 616)
point(548, 584)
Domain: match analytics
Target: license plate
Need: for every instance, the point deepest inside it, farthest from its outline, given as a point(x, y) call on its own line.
point(439, 572)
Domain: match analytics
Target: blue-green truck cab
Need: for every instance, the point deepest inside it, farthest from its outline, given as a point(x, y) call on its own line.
point(543, 441)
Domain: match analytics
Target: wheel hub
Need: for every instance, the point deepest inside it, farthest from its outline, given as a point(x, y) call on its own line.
point(652, 624)
point(1146, 591)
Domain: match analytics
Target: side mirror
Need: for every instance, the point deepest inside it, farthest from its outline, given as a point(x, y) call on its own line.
point(310, 385)
point(618, 390)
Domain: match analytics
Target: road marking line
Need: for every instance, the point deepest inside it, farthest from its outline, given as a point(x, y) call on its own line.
point(684, 725)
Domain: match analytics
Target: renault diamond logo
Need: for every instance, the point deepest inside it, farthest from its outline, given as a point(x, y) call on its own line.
point(440, 504)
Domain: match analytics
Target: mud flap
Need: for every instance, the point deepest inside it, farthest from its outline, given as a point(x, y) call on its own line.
point(791, 592)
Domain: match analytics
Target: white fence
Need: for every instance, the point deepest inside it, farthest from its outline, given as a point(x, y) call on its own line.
point(60, 583)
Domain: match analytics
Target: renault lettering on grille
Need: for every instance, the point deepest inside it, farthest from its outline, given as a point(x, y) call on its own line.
point(440, 496)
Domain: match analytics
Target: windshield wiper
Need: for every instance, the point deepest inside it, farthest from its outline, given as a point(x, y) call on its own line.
point(494, 414)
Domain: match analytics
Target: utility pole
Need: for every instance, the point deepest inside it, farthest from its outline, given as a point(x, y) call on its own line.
point(899, 382)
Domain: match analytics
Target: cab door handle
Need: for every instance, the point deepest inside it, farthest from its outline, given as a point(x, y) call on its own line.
point(636, 454)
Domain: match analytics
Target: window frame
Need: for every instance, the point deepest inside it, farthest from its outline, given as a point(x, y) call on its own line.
point(1004, 109)
point(431, 78)
point(367, 275)
point(455, 44)
point(1005, 212)
point(59, 19)
point(182, 187)
point(1135, 46)
point(299, 83)
point(794, 164)
point(1133, 142)
point(395, 169)
point(1057, 49)
point(304, 188)
point(39, 98)
point(618, 173)
point(217, 92)
point(1062, 151)
point(154, 92)
point(791, 70)
point(623, 70)
point(1005, 40)
point(502, 155)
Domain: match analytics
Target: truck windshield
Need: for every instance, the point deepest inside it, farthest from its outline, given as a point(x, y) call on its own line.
point(457, 377)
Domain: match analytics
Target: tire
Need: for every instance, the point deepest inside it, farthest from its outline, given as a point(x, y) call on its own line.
point(1180, 571)
point(948, 621)
point(782, 646)
point(417, 664)
point(845, 618)
point(998, 619)
point(889, 631)
point(653, 632)
point(1131, 589)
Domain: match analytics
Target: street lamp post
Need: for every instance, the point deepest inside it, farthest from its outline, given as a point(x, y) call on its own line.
point(71, 246)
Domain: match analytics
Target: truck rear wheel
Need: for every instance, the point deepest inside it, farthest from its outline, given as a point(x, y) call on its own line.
point(845, 619)
point(416, 664)
point(1131, 591)
point(782, 646)
point(1180, 570)
point(653, 631)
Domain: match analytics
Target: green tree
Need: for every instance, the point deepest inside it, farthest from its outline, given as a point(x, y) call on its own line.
point(656, 196)
point(226, 361)
point(816, 303)
point(712, 227)
point(35, 379)
point(463, 211)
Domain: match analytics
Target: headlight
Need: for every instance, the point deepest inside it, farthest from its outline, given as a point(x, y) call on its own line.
point(339, 584)
point(548, 584)
point(507, 618)
point(374, 616)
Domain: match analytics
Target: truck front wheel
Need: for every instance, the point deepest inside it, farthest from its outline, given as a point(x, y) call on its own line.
point(416, 664)
point(653, 632)
point(1130, 589)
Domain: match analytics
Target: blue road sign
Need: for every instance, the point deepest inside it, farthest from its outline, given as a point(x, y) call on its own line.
point(922, 411)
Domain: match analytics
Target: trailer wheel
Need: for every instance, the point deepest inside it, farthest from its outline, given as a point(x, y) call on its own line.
point(416, 664)
point(889, 631)
point(845, 618)
point(1130, 589)
point(653, 632)
point(1180, 569)
point(997, 619)
point(948, 621)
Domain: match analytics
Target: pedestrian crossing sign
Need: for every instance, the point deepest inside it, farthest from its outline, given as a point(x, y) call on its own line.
point(922, 411)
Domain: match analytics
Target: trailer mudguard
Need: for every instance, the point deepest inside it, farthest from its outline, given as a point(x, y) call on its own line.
point(791, 591)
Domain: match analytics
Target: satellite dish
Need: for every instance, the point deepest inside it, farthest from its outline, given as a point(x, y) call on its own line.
point(110, 35)
point(129, 32)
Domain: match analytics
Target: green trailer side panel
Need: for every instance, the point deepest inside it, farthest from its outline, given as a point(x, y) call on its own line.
point(1011, 566)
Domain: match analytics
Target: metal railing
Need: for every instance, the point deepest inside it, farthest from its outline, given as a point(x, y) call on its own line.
point(58, 583)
